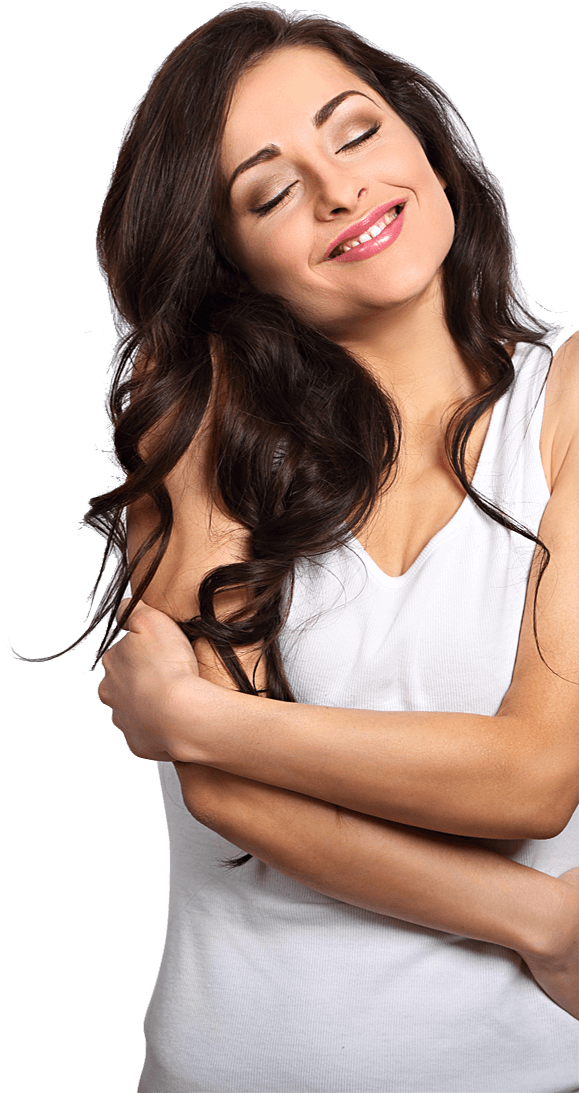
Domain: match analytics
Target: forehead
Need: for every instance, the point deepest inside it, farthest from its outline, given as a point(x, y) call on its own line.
point(276, 99)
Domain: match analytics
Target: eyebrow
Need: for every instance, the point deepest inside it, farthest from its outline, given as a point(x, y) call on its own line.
point(271, 151)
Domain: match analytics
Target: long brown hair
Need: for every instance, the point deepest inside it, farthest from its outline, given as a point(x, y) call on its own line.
point(305, 440)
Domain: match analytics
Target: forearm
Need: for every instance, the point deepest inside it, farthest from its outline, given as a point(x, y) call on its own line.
point(443, 882)
point(468, 774)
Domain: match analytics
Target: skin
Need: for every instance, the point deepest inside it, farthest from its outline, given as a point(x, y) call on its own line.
point(387, 309)
point(277, 779)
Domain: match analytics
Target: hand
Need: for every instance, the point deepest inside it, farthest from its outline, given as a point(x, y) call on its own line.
point(152, 684)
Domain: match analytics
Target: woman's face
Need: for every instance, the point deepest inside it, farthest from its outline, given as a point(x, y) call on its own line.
point(309, 151)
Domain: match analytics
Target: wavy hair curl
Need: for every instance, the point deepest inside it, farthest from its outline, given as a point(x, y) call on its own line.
point(305, 440)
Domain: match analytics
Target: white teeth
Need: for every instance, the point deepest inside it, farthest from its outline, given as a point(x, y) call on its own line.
point(371, 233)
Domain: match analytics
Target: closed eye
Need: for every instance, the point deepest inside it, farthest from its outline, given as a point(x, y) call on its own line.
point(262, 210)
point(360, 140)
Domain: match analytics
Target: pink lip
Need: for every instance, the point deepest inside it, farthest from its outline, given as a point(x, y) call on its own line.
point(372, 246)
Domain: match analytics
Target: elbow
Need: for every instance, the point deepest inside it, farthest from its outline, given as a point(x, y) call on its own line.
point(536, 774)
point(546, 829)
point(537, 767)
point(554, 824)
point(546, 809)
point(529, 824)
point(521, 827)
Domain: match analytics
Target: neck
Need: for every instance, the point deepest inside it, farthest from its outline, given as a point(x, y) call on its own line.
point(410, 352)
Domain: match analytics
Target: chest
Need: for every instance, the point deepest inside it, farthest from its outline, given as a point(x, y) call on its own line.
point(426, 495)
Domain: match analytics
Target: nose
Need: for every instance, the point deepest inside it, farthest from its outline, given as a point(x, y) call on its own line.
point(350, 206)
point(337, 192)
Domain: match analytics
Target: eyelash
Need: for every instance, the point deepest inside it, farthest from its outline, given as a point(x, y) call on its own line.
point(262, 210)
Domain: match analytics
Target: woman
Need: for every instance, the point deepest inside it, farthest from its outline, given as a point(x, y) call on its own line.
point(344, 439)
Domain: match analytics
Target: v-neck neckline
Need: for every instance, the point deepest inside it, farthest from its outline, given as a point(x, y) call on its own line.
point(451, 525)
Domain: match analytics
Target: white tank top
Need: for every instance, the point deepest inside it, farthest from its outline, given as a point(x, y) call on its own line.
point(267, 986)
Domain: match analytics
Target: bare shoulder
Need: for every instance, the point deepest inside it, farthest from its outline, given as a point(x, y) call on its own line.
point(564, 374)
point(204, 536)
point(561, 416)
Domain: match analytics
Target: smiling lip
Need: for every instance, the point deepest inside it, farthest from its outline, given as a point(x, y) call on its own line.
point(372, 246)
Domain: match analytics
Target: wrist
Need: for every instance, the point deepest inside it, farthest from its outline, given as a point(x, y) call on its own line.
point(204, 717)
point(551, 935)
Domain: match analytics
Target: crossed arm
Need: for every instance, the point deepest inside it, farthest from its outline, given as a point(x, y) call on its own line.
point(443, 882)
point(312, 791)
point(449, 882)
point(352, 802)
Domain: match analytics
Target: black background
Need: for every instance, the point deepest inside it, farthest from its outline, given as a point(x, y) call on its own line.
point(91, 861)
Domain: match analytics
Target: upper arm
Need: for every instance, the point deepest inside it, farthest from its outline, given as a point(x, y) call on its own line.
point(543, 698)
point(203, 537)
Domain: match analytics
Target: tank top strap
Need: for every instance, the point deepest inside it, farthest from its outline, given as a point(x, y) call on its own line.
point(510, 464)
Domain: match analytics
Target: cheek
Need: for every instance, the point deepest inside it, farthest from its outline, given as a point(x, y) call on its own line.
point(443, 217)
point(447, 226)
point(275, 265)
point(443, 221)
